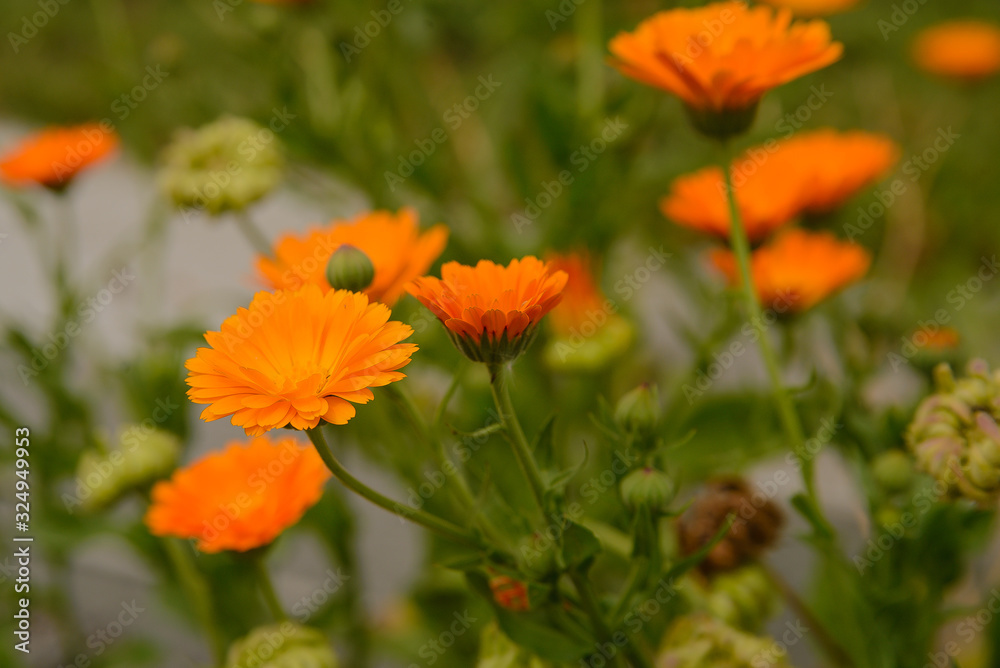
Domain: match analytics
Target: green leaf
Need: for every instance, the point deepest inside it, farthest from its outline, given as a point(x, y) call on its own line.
point(542, 444)
point(686, 564)
point(805, 507)
point(579, 546)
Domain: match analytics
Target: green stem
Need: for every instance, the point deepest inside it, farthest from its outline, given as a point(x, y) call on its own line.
point(499, 386)
point(460, 490)
point(257, 560)
point(591, 607)
point(196, 589)
point(253, 233)
point(786, 410)
point(441, 527)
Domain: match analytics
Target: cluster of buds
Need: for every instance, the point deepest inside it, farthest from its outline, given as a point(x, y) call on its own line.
point(285, 645)
point(755, 528)
point(954, 434)
point(223, 166)
point(700, 641)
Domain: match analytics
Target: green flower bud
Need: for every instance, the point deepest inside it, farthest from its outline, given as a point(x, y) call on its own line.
point(893, 471)
point(497, 651)
point(638, 411)
point(349, 269)
point(148, 454)
point(223, 166)
point(536, 556)
point(285, 645)
point(141, 456)
point(648, 488)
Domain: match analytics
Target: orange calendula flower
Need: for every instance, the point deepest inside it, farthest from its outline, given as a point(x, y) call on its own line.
point(799, 269)
point(810, 8)
point(837, 165)
point(216, 502)
point(393, 242)
point(809, 173)
point(967, 50)
point(491, 312)
point(723, 57)
point(295, 358)
point(767, 202)
point(52, 157)
point(587, 328)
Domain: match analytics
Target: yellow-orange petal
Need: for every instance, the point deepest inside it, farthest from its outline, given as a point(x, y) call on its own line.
point(399, 251)
point(492, 308)
point(240, 498)
point(725, 55)
point(52, 157)
point(297, 357)
point(775, 183)
point(811, 8)
point(798, 269)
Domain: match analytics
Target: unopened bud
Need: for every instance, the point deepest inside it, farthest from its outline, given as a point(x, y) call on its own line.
point(638, 411)
point(350, 269)
point(893, 470)
point(648, 488)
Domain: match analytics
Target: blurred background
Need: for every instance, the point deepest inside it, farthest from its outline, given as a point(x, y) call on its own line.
point(496, 99)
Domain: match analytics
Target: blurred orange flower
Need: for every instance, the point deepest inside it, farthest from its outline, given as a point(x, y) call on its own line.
point(798, 269)
point(723, 56)
point(587, 327)
point(297, 357)
point(392, 242)
point(936, 338)
point(52, 157)
point(811, 8)
point(490, 311)
point(811, 172)
point(241, 498)
point(966, 50)
point(835, 165)
point(768, 201)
